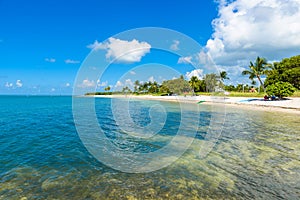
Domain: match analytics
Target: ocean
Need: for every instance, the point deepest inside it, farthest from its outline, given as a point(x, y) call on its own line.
point(46, 154)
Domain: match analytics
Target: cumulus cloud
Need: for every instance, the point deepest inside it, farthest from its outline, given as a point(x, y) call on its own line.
point(151, 79)
point(132, 72)
point(69, 61)
point(19, 83)
point(122, 50)
point(8, 85)
point(128, 82)
point(86, 83)
point(51, 60)
point(68, 85)
point(101, 84)
point(197, 72)
point(95, 46)
point(119, 84)
point(52, 89)
point(246, 29)
point(185, 60)
point(175, 45)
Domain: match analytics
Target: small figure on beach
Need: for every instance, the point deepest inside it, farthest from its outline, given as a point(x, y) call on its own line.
point(266, 98)
point(273, 97)
point(253, 90)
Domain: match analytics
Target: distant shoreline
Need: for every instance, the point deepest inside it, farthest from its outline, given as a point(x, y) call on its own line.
point(291, 105)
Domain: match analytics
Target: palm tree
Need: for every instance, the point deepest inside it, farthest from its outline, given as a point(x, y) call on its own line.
point(193, 81)
point(126, 90)
point(107, 88)
point(153, 87)
point(145, 87)
point(136, 86)
point(156, 86)
point(257, 69)
point(223, 75)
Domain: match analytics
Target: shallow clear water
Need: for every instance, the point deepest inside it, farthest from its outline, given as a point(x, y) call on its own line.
point(42, 156)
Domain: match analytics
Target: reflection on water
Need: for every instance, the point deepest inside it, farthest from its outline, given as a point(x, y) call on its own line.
point(257, 156)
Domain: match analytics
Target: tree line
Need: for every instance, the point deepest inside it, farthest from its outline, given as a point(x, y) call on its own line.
point(278, 78)
point(282, 78)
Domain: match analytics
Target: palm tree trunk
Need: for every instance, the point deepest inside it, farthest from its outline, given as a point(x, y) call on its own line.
point(261, 83)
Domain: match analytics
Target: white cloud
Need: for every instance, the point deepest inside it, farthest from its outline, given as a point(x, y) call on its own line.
point(19, 83)
point(86, 83)
point(119, 84)
point(128, 82)
point(247, 29)
point(151, 79)
point(69, 61)
point(185, 60)
point(52, 89)
point(132, 72)
point(95, 46)
point(68, 85)
point(122, 50)
point(51, 60)
point(8, 85)
point(174, 46)
point(197, 72)
point(101, 84)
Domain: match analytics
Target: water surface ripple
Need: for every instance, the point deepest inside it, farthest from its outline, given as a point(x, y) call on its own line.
point(42, 157)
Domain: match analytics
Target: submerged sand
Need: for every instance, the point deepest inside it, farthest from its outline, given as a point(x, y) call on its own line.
point(291, 105)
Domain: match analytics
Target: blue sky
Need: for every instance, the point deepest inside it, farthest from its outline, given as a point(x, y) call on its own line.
point(44, 43)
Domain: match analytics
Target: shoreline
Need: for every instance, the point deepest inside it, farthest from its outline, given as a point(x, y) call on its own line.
point(290, 105)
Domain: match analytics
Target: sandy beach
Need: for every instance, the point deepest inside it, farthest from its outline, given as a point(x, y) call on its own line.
point(291, 105)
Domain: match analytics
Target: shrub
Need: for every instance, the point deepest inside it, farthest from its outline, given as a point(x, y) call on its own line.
point(281, 89)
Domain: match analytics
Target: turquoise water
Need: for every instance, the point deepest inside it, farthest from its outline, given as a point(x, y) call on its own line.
point(42, 156)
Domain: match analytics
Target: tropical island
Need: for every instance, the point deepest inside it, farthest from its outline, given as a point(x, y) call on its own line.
point(277, 81)
point(137, 100)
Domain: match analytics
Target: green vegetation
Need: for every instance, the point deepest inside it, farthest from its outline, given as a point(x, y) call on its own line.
point(246, 94)
point(193, 83)
point(281, 89)
point(282, 80)
point(177, 86)
point(126, 90)
point(284, 77)
point(107, 88)
point(288, 70)
point(99, 93)
point(296, 94)
point(257, 69)
point(238, 88)
point(223, 75)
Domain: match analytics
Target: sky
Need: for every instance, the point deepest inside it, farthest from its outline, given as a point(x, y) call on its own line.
point(44, 45)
